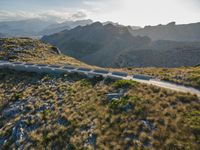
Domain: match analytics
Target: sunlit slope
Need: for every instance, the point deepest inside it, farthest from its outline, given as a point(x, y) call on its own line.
point(57, 112)
point(35, 51)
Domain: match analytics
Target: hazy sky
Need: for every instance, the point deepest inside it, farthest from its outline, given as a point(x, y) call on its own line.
point(127, 12)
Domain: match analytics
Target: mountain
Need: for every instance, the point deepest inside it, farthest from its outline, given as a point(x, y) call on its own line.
point(131, 28)
point(37, 27)
point(29, 27)
point(171, 31)
point(67, 25)
point(134, 27)
point(114, 46)
point(96, 41)
point(2, 35)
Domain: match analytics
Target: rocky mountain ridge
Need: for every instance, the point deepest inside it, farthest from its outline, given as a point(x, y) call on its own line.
point(114, 46)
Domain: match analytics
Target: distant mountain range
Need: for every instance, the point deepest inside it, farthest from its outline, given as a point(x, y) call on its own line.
point(2, 35)
point(37, 27)
point(24, 27)
point(115, 46)
point(40, 27)
point(171, 31)
point(111, 44)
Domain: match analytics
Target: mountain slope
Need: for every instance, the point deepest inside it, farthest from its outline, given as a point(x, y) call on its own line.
point(114, 46)
point(34, 51)
point(70, 112)
point(171, 31)
point(2, 35)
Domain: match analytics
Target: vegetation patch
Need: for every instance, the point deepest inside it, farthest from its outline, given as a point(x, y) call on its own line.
point(70, 112)
point(124, 84)
point(193, 121)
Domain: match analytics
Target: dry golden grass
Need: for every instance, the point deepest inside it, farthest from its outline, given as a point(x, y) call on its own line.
point(189, 76)
point(80, 116)
point(40, 54)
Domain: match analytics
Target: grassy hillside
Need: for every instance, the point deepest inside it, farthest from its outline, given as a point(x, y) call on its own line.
point(71, 112)
point(29, 50)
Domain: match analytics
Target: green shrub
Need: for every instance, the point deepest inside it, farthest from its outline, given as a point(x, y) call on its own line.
point(192, 119)
point(16, 96)
point(124, 84)
point(186, 98)
point(85, 82)
point(127, 103)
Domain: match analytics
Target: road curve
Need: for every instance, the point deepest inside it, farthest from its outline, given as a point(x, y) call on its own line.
point(171, 86)
point(55, 69)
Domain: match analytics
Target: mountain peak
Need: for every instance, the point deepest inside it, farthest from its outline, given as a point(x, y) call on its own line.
point(171, 23)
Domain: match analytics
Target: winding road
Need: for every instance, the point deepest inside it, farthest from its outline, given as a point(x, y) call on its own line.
point(55, 69)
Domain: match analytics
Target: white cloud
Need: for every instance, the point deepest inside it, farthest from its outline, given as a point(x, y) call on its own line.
point(145, 12)
point(8, 15)
point(55, 15)
point(128, 12)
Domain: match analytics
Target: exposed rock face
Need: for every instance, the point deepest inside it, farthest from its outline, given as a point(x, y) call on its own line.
point(56, 50)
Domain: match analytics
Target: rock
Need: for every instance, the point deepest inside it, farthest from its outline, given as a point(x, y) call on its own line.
point(15, 109)
point(91, 140)
point(10, 112)
point(112, 96)
point(33, 127)
point(19, 132)
point(43, 108)
point(3, 141)
point(63, 122)
point(147, 125)
point(128, 107)
point(56, 50)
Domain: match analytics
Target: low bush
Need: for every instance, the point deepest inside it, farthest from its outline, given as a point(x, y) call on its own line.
point(124, 84)
point(192, 120)
point(128, 103)
point(16, 96)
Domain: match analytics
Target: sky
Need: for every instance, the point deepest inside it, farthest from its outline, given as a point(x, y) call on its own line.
point(126, 12)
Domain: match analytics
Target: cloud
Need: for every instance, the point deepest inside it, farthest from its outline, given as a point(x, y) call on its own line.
point(55, 15)
point(78, 15)
point(8, 15)
point(195, 4)
point(134, 12)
